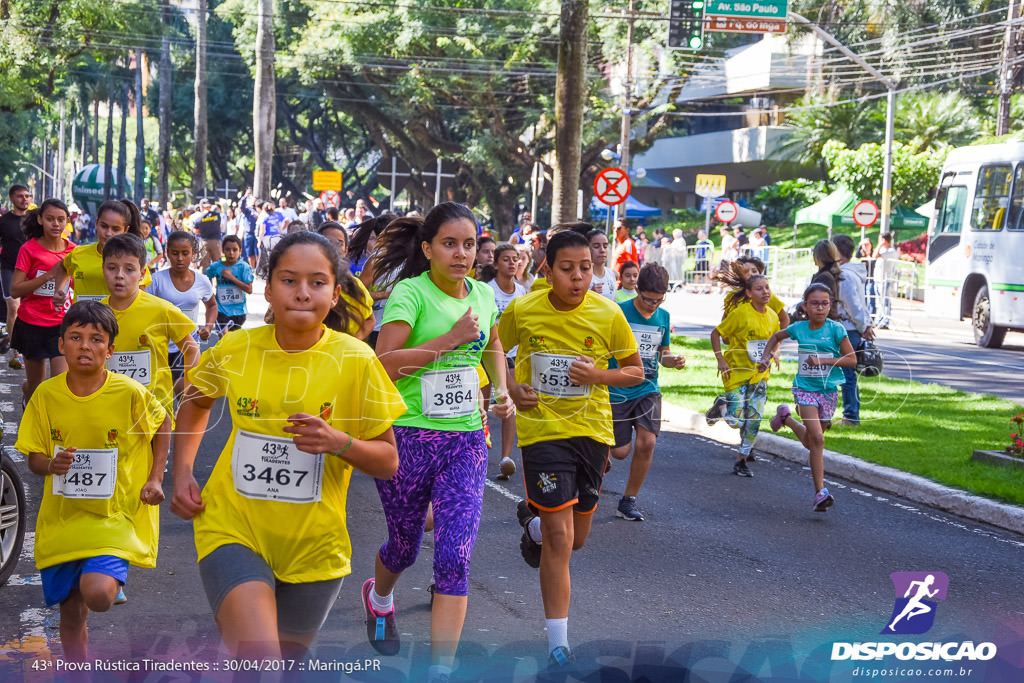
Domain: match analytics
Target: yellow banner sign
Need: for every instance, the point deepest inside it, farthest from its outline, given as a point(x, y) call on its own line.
point(710, 185)
point(326, 180)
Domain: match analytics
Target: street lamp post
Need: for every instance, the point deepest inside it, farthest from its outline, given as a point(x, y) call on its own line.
point(890, 114)
point(627, 101)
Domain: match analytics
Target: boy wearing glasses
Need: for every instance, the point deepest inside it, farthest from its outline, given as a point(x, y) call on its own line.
point(638, 408)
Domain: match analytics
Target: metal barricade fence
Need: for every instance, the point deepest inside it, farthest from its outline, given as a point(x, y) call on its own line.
point(891, 287)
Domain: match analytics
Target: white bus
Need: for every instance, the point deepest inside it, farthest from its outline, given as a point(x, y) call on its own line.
point(975, 266)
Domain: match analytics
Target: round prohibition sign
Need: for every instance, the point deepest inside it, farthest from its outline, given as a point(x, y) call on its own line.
point(865, 213)
point(612, 186)
point(726, 211)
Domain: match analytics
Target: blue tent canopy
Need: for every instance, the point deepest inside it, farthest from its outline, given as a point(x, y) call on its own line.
point(634, 209)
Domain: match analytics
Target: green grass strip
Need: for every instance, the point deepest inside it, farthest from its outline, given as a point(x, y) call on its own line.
point(924, 429)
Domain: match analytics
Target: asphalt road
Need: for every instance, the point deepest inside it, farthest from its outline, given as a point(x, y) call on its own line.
point(728, 577)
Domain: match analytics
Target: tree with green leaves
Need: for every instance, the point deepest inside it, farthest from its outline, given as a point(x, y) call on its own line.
point(914, 173)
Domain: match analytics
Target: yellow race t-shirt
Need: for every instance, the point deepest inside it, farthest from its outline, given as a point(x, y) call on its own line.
point(549, 340)
point(748, 333)
point(98, 511)
point(540, 284)
point(144, 330)
point(775, 304)
point(85, 266)
point(360, 308)
point(285, 505)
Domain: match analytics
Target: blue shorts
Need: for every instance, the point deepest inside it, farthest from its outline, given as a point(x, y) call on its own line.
point(60, 579)
point(250, 246)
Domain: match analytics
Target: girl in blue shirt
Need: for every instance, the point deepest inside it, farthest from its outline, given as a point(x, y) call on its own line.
point(823, 348)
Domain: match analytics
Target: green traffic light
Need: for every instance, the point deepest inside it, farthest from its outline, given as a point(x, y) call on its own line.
point(698, 4)
point(696, 43)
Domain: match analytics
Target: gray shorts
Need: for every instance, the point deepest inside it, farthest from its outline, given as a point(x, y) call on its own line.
point(302, 608)
point(644, 412)
point(6, 274)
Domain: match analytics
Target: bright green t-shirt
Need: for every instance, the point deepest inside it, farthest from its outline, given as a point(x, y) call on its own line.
point(624, 295)
point(444, 395)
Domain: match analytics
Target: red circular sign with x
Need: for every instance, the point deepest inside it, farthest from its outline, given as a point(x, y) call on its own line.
point(611, 186)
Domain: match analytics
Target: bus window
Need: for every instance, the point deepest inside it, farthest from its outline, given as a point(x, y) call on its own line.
point(1015, 221)
point(950, 204)
point(991, 197)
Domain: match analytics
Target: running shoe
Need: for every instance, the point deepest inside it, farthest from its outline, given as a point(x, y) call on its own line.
point(121, 597)
point(740, 469)
point(751, 457)
point(508, 468)
point(823, 500)
point(628, 510)
point(17, 362)
point(781, 414)
point(380, 628)
point(529, 548)
point(717, 411)
point(560, 657)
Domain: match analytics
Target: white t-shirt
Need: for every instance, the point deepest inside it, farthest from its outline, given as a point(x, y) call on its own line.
point(503, 299)
point(610, 282)
point(189, 301)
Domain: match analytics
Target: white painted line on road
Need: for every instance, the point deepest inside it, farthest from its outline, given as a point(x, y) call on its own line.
point(11, 428)
point(13, 454)
point(33, 622)
point(19, 580)
point(28, 546)
point(7, 405)
point(503, 491)
point(6, 388)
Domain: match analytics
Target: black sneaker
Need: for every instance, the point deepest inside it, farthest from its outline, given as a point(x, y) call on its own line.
point(740, 469)
point(627, 509)
point(380, 628)
point(527, 546)
point(524, 513)
point(717, 411)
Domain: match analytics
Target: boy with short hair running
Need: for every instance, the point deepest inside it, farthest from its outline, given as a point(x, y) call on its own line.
point(234, 281)
point(823, 347)
point(566, 335)
point(146, 323)
point(638, 409)
point(101, 441)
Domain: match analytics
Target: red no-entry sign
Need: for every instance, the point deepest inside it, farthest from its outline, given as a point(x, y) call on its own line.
point(865, 213)
point(611, 186)
point(726, 211)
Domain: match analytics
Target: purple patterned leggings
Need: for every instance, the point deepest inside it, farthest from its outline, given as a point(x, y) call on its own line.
point(446, 469)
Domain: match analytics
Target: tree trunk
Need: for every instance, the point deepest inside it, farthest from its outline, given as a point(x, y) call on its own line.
point(264, 112)
point(122, 144)
point(94, 151)
point(164, 152)
point(140, 141)
point(200, 130)
point(569, 89)
point(108, 152)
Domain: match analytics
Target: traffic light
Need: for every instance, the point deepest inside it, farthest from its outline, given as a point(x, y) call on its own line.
point(686, 24)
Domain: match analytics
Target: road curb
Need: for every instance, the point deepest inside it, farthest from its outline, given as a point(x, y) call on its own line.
point(910, 486)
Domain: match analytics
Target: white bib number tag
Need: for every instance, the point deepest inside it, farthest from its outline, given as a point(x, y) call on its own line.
point(551, 376)
point(93, 474)
point(814, 371)
point(755, 349)
point(230, 295)
point(449, 393)
point(135, 364)
point(648, 339)
point(47, 288)
point(273, 468)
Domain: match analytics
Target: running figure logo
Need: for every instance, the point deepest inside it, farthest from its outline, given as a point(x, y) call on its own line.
point(917, 594)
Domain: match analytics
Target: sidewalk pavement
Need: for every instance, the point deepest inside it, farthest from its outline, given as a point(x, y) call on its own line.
point(910, 486)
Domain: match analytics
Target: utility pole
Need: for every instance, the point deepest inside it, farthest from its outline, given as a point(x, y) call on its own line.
point(890, 114)
point(1006, 71)
point(570, 85)
point(164, 105)
point(627, 103)
point(264, 101)
point(140, 142)
point(201, 128)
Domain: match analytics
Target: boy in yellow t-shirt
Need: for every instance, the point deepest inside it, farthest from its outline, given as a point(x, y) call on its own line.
point(146, 322)
point(566, 334)
point(101, 441)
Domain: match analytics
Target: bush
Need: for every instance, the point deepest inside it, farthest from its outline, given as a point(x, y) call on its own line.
point(780, 201)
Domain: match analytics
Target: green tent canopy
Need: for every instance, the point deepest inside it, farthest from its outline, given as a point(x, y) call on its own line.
point(836, 211)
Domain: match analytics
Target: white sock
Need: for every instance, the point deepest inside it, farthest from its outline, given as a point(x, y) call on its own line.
point(533, 529)
point(558, 633)
point(436, 671)
point(382, 604)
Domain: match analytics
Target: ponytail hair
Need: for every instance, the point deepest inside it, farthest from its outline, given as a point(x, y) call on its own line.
point(737, 280)
point(399, 249)
point(32, 226)
point(126, 209)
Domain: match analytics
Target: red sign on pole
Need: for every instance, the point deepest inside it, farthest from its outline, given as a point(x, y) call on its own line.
point(865, 213)
point(612, 186)
point(726, 211)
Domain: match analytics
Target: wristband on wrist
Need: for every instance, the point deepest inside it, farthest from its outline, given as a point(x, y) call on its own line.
point(346, 446)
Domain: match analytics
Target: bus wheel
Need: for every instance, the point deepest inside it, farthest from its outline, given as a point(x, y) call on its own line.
point(12, 517)
point(985, 333)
